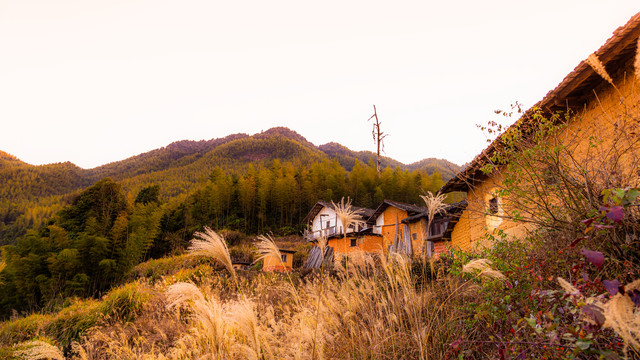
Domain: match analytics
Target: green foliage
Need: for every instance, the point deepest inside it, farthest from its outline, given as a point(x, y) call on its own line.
point(125, 302)
point(64, 242)
point(30, 195)
point(149, 194)
point(90, 245)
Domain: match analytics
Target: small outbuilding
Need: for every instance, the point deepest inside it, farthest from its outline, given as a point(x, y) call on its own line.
point(284, 263)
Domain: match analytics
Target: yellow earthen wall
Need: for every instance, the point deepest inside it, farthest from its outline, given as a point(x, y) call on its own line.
point(388, 230)
point(608, 120)
point(419, 228)
point(368, 243)
point(273, 264)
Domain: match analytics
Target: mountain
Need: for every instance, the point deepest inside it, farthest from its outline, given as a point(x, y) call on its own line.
point(191, 160)
point(347, 157)
point(431, 165)
point(29, 194)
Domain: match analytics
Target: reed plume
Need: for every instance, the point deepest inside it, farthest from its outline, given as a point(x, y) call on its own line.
point(79, 351)
point(435, 205)
point(180, 293)
point(567, 287)
point(267, 248)
point(597, 66)
point(243, 315)
point(484, 268)
point(623, 316)
point(210, 244)
point(347, 215)
point(38, 349)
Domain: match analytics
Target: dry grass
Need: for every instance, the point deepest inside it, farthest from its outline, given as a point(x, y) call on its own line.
point(623, 316)
point(38, 349)
point(369, 307)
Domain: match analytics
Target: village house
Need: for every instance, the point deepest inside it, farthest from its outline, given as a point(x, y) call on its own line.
point(240, 265)
point(439, 235)
point(285, 263)
point(392, 226)
point(323, 221)
point(601, 105)
point(397, 236)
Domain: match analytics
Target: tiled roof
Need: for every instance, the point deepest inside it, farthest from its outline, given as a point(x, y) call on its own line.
point(573, 92)
point(450, 210)
point(365, 213)
point(409, 208)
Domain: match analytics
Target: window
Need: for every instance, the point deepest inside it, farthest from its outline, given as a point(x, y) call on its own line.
point(438, 228)
point(354, 242)
point(414, 236)
point(283, 258)
point(328, 224)
point(493, 206)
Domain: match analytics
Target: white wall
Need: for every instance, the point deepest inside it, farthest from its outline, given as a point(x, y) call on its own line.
point(379, 222)
point(320, 221)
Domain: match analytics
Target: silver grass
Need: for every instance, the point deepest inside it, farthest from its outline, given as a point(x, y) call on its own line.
point(210, 244)
point(597, 66)
point(567, 287)
point(266, 247)
point(347, 214)
point(180, 293)
point(38, 349)
point(483, 266)
point(434, 203)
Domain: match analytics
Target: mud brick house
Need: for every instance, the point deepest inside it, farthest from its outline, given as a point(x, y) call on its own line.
point(604, 117)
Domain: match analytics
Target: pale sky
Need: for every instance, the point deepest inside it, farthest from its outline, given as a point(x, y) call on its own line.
point(93, 82)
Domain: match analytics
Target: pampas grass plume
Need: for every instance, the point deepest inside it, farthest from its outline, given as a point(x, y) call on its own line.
point(597, 66)
point(484, 268)
point(434, 203)
point(346, 214)
point(567, 287)
point(267, 247)
point(38, 349)
point(210, 244)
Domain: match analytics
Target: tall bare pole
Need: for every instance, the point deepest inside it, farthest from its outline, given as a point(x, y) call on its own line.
point(378, 137)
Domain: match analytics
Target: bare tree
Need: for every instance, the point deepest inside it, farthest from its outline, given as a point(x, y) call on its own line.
point(378, 137)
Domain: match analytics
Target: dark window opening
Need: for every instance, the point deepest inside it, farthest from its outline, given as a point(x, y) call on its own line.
point(493, 206)
point(354, 242)
point(283, 258)
point(414, 236)
point(438, 228)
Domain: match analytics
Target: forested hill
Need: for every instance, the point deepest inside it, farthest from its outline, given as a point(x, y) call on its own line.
point(29, 194)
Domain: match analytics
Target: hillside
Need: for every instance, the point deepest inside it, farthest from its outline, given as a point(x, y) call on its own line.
point(191, 160)
point(347, 157)
point(30, 194)
point(445, 167)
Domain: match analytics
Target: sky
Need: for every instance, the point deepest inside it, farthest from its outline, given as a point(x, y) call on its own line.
point(92, 82)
